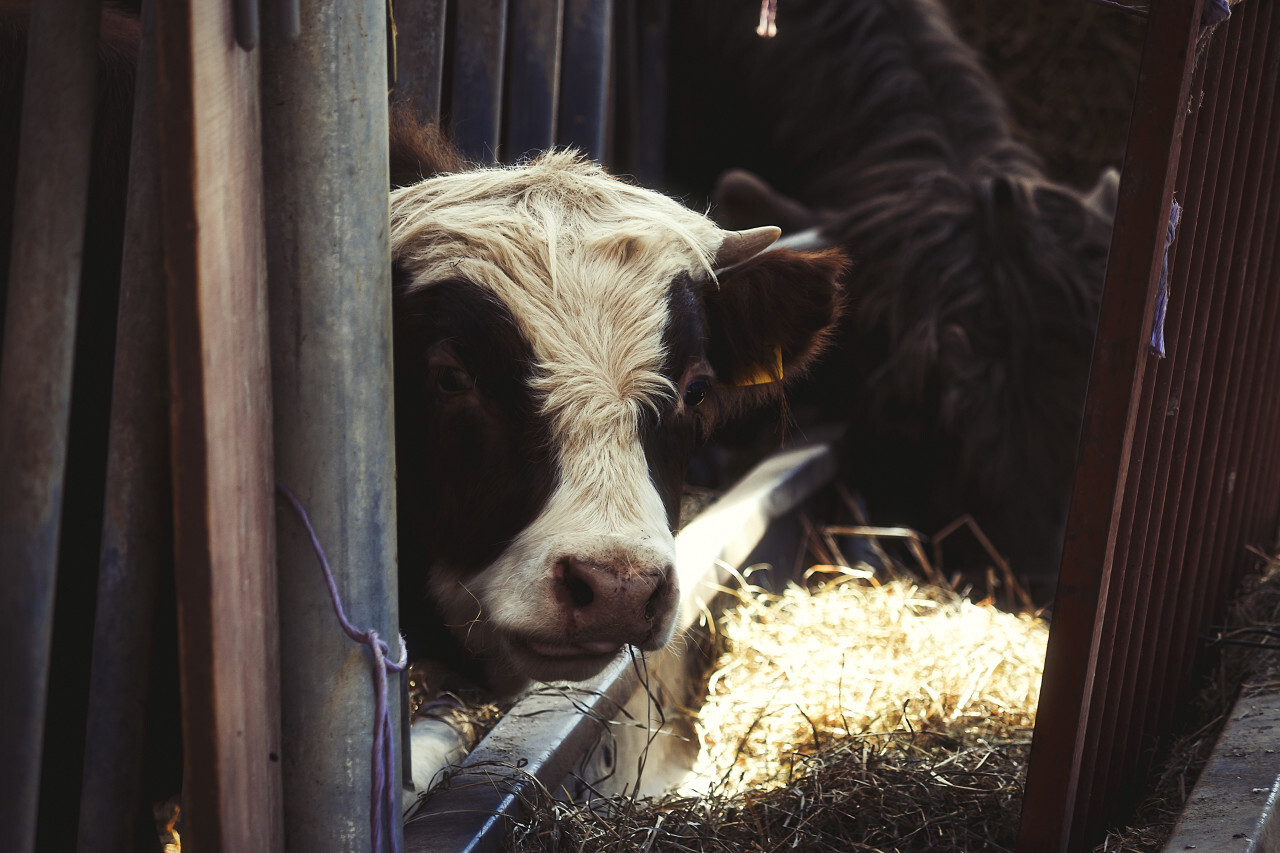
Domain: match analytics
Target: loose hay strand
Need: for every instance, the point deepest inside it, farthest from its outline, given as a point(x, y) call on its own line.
point(855, 717)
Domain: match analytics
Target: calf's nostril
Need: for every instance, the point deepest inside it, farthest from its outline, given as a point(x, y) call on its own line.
point(651, 606)
point(579, 589)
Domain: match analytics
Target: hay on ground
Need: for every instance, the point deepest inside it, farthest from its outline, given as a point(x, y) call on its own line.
point(856, 717)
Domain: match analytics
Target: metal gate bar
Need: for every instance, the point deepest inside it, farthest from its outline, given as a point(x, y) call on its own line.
point(331, 374)
point(420, 28)
point(1214, 548)
point(479, 50)
point(1164, 506)
point(587, 77)
point(1154, 478)
point(533, 76)
point(1209, 550)
point(1119, 727)
point(50, 198)
point(1054, 775)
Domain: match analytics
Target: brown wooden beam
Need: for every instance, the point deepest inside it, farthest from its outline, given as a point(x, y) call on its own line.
point(211, 179)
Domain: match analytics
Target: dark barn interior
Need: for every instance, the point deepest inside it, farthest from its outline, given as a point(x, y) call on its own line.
point(146, 552)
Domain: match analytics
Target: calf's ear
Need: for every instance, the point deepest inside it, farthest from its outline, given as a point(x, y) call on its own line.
point(769, 317)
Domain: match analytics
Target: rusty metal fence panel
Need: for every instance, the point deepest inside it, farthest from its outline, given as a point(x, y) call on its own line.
point(1179, 466)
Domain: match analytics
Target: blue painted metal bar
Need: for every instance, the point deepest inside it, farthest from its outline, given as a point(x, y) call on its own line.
point(480, 39)
point(587, 76)
point(35, 379)
point(533, 77)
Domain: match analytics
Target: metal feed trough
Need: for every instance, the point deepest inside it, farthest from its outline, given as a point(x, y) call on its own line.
point(1179, 468)
point(543, 740)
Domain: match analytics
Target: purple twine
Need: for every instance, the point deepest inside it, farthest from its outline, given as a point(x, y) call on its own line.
point(383, 803)
point(1136, 11)
point(1213, 13)
point(1162, 292)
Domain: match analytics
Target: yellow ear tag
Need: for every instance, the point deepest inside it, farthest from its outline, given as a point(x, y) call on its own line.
point(761, 375)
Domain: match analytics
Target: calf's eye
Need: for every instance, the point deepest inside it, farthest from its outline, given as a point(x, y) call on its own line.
point(454, 380)
point(696, 391)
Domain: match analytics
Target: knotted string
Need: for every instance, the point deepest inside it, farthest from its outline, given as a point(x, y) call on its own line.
point(383, 803)
point(1162, 292)
point(1213, 13)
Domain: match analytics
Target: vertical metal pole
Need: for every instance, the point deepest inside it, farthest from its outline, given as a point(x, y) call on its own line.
point(533, 88)
point(420, 26)
point(35, 379)
point(136, 544)
point(587, 79)
point(479, 54)
point(325, 132)
point(655, 21)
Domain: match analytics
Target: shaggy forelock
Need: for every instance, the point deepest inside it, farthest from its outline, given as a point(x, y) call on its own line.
point(584, 262)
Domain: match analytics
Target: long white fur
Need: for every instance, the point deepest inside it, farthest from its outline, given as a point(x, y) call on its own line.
point(583, 262)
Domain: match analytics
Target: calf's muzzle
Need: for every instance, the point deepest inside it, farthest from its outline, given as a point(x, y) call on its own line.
point(612, 603)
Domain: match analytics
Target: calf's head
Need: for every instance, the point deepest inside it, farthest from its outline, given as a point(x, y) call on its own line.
point(562, 340)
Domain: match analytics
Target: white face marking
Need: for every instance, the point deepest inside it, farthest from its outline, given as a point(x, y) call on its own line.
point(583, 262)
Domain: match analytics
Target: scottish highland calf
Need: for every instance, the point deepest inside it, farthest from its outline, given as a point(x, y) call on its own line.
point(961, 365)
point(562, 341)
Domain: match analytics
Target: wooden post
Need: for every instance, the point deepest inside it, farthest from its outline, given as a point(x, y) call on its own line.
point(211, 179)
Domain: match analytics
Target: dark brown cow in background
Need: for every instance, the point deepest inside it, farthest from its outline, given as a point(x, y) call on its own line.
point(962, 362)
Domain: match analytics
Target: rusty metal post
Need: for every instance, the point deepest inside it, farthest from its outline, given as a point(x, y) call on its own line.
point(325, 132)
point(1116, 380)
point(35, 379)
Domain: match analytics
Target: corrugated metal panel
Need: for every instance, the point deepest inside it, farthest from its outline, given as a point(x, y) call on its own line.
point(1178, 469)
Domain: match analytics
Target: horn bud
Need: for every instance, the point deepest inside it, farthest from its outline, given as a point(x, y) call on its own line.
point(739, 246)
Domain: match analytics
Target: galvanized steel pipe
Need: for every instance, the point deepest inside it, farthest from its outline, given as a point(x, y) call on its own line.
point(326, 179)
